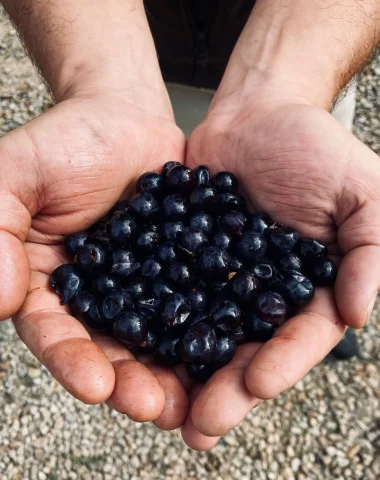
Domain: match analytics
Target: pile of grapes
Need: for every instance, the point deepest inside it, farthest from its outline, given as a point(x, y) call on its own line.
point(184, 272)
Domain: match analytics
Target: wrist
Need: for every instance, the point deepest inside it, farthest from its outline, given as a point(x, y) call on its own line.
point(305, 51)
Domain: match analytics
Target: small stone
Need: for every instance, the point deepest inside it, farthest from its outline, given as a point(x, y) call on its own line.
point(332, 377)
point(34, 372)
point(295, 464)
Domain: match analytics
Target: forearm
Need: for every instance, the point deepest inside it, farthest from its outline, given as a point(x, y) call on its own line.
point(87, 44)
point(312, 47)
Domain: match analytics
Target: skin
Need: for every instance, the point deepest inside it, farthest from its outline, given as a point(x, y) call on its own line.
point(268, 124)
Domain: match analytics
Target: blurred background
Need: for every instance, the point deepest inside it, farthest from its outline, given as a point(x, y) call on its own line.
point(326, 427)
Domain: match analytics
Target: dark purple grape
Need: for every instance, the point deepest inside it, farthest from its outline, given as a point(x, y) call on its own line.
point(136, 288)
point(180, 179)
point(224, 352)
point(91, 257)
point(166, 253)
point(121, 206)
point(322, 271)
point(222, 240)
point(198, 344)
point(151, 269)
point(66, 281)
point(167, 351)
point(122, 263)
point(149, 307)
point(192, 239)
point(236, 264)
point(268, 275)
point(271, 307)
point(175, 311)
point(203, 198)
point(121, 228)
point(105, 284)
point(214, 263)
point(74, 242)
point(290, 262)
point(232, 222)
point(150, 343)
point(113, 304)
point(202, 175)
point(174, 208)
point(82, 302)
point(202, 221)
point(150, 182)
point(168, 166)
point(198, 299)
point(256, 329)
point(130, 328)
point(231, 201)
point(161, 288)
point(94, 319)
point(144, 206)
point(297, 289)
point(226, 316)
point(252, 246)
point(224, 182)
point(309, 248)
point(259, 222)
point(147, 241)
point(244, 286)
point(281, 239)
point(172, 230)
point(181, 275)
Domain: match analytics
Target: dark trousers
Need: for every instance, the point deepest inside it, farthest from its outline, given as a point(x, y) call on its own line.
point(195, 38)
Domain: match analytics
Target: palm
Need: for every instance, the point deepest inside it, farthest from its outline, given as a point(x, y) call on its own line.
point(299, 165)
point(86, 154)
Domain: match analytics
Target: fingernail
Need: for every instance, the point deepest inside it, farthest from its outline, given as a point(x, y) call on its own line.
point(371, 305)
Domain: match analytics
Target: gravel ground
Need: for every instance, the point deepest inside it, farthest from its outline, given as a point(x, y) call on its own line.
point(327, 427)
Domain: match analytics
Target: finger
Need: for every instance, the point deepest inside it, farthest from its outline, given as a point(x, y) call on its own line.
point(191, 436)
point(14, 275)
point(63, 345)
point(297, 346)
point(137, 391)
point(177, 402)
point(225, 400)
point(357, 285)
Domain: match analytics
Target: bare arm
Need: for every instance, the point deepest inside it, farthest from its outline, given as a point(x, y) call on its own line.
point(310, 48)
point(91, 43)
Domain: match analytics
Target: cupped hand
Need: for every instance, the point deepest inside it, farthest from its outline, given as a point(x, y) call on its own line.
point(59, 174)
point(295, 162)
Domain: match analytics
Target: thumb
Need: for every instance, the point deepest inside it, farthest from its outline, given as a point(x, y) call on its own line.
point(16, 191)
point(358, 279)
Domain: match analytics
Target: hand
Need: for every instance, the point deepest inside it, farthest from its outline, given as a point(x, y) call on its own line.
point(59, 174)
point(294, 161)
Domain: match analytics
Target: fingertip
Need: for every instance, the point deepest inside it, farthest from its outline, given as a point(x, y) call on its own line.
point(196, 440)
point(224, 400)
point(264, 383)
point(14, 275)
point(137, 392)
point(357, 285)
point(191, 436)
point(82, 369)
point(176, 403)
